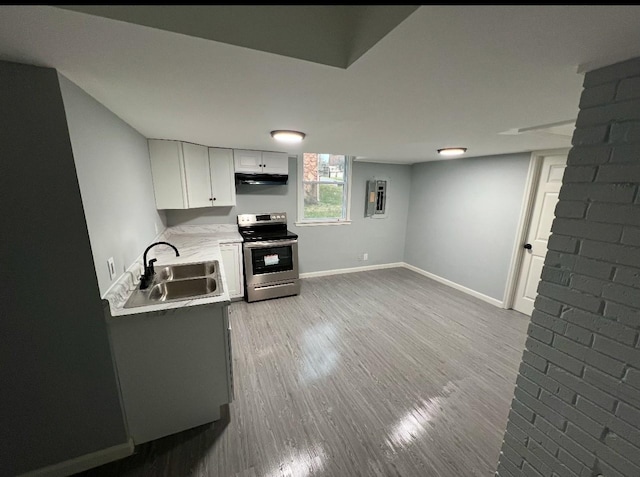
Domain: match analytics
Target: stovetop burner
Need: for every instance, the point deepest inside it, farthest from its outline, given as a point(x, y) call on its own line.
point(259, 227)
point(259, 235)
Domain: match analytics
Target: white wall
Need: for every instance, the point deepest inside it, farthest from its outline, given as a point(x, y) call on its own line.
point(114, 172)
point(463, 218)
point(326, 247)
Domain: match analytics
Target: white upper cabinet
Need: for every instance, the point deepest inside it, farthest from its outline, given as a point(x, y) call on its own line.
point(167, 169)
point(247, 161)
point(223, 189)
point(198, 181)
point(275, 163)
point(187, 176)
point(261, 162)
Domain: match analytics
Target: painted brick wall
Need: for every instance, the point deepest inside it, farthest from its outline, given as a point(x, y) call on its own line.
point(576, 406)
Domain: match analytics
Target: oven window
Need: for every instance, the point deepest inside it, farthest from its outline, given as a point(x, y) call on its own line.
point(271, 259)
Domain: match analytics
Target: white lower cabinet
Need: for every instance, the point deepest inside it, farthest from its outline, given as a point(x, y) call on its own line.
point(233, 268)
point(174, 368)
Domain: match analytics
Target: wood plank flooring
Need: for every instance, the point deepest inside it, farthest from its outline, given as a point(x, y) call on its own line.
point(379, 373)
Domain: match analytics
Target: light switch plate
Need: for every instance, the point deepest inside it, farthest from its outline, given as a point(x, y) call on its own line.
point(112, 268)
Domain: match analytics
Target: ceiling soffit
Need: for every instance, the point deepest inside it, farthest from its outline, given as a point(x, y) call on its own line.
point(335, 35)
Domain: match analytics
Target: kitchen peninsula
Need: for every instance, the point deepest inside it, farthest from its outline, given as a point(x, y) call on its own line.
point(174, 357)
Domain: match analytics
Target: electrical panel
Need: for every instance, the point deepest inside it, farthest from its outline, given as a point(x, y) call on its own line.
point(376, 203)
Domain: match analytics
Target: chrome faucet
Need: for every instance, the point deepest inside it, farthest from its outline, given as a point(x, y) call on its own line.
point(149, 272)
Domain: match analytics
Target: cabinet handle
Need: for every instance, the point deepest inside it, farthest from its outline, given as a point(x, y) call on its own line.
point(210, 198)
point(214, 198)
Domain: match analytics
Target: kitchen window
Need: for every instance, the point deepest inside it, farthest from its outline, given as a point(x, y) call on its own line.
point(324, 189)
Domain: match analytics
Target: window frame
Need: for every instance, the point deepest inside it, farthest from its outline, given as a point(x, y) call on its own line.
point(302, 222)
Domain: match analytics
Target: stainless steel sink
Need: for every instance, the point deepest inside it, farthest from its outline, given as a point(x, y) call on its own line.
point(179, 282)
point(181, 289)
point(189, 270)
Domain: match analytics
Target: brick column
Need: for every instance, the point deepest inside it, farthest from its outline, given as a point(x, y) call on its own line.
point(576, 406)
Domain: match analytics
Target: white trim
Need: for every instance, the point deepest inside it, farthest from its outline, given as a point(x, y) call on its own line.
point(340, 271)
point(300, 195)
point(320, 222)
point(455, 285)
point(84, 462)
point(528, 201)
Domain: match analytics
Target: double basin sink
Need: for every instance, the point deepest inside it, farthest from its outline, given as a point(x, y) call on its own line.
point(179, 282)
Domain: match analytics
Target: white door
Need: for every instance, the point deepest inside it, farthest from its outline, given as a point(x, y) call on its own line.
point(247, 161)
point(223, 188)
point(542, 215)
point(196, 167)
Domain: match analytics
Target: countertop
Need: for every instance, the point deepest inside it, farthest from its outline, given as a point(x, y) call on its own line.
point(196, 243)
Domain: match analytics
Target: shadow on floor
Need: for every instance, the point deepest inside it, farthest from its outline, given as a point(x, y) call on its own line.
point(157, 458)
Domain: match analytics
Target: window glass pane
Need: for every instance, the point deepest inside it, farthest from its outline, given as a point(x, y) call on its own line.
point(323, 167)
point(323, 200)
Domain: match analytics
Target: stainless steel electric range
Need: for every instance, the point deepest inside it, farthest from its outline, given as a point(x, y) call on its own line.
point(270, 256)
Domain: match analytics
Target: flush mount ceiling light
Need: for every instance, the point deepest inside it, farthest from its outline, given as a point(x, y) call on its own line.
point(287, 136)
point(452, 151)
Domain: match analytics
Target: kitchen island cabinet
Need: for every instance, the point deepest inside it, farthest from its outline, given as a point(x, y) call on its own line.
point(174, 358)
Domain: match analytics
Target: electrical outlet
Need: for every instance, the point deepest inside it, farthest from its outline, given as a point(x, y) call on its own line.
point(112, 268)
point(365, 256)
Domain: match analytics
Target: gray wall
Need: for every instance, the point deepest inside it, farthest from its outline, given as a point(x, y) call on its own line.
point(326, 247)
point(576, 409)
point(463, 218)
point(59, 396)
point(114, 172)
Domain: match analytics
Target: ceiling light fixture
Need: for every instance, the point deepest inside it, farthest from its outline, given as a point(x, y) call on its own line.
point(452, 151)
point(287, 136)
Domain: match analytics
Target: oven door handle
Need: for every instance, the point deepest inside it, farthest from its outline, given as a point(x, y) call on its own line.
point(269, 243)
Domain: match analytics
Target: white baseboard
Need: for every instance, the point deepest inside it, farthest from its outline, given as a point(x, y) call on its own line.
point(340, 271)
point(437, 278)
point(457, 286)
point(84, 462)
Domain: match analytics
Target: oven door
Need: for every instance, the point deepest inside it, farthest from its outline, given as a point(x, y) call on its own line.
point(270, 261)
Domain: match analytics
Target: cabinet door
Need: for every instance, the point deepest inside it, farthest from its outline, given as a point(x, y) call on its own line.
point(275, 163)
point(247, 161)
point(167, 170)
point(232, 263)
point(196, 166)
point(223, 187)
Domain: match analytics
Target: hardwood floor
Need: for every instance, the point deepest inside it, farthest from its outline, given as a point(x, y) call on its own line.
point(380, 373)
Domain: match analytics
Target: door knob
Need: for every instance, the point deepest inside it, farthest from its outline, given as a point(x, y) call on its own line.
point(528, 246)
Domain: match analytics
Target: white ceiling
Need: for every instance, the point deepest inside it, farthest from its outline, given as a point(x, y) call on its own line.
point(482, 77)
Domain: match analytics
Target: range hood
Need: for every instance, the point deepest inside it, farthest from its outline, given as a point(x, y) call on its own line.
point(261, 179)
